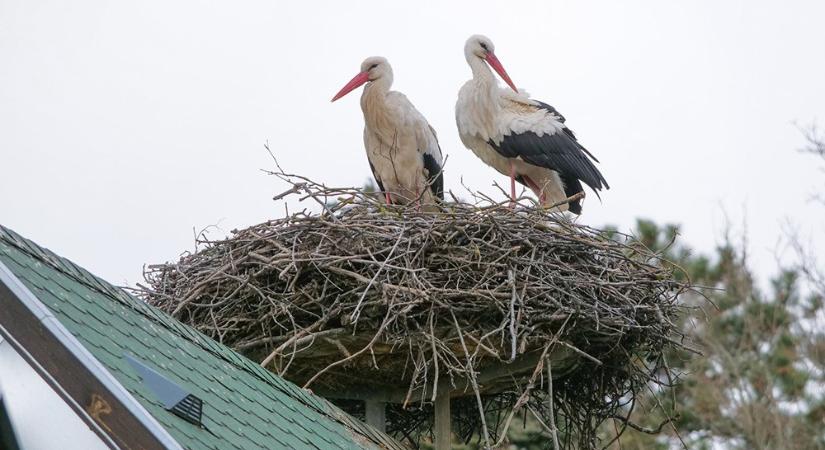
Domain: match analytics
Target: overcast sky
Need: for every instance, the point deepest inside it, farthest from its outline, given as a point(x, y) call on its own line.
point(124, 125)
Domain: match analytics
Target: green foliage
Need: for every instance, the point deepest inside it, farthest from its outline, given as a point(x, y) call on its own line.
point(748, 390)
point(755, 385)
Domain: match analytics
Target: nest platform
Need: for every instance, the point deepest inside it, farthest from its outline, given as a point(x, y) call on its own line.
point(484, 304)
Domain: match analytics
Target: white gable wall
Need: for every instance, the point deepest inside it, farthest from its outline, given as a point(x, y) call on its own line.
point(40, 417)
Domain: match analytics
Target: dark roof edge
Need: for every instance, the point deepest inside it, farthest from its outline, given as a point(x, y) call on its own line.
point(44, 330)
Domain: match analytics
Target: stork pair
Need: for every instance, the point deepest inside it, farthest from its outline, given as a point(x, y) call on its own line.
point(522, 138)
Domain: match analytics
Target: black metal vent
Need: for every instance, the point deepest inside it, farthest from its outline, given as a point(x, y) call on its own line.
point(189, 409)
point(174, 398)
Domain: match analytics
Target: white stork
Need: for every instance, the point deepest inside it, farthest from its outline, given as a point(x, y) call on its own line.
point(523, 138)
point(402, 147)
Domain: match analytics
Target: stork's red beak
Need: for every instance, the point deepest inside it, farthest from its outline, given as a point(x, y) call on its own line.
point(358, 80)
point(496, 65)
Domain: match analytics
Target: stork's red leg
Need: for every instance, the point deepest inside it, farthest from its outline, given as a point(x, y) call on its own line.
point(536, 189)
point(388, 198)
point(512, 185)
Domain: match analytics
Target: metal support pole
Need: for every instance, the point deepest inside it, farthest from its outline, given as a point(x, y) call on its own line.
point(443, 432)
point(377, 415)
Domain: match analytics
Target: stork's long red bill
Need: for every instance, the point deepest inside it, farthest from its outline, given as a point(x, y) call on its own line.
point(358, 80)
point(496, 65)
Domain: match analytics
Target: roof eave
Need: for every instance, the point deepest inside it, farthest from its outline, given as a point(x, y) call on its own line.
point(35, 330)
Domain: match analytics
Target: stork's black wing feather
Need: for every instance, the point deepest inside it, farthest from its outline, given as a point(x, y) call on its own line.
point(550, 109)
point(435, 173)
point(558, 151)
point(435, 176)
point(567, 130)
point(377, 180)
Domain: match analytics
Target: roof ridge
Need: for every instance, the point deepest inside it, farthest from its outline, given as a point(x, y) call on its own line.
point(223, 352)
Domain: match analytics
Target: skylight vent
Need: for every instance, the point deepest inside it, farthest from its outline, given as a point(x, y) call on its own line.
point(175, 399)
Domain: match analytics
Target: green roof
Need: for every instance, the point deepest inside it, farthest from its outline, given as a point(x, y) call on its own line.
point(244, 405)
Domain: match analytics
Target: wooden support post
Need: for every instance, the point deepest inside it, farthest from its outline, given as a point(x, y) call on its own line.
point(377, 415)
point(443, 432)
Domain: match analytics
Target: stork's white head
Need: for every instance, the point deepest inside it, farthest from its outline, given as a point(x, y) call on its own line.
point(477, 46)
point(372, 69)
point(481, 47)
point(377, 67)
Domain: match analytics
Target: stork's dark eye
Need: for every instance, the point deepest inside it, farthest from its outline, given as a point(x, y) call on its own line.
point(373, 66)
point(484, 46)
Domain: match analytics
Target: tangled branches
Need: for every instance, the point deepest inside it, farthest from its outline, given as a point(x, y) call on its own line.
point(488, 304)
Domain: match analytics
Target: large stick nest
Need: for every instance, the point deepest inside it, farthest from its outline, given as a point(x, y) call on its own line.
point(364, 301)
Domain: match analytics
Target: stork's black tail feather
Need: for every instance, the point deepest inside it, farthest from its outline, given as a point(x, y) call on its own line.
point(573, 186)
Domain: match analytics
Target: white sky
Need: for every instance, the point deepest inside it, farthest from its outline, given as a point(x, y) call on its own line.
point(27, 397)
point(123, 125)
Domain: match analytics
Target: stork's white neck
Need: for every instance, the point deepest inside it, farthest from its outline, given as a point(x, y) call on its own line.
point(377, 115)
point(478, 104)
point(481, 71)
